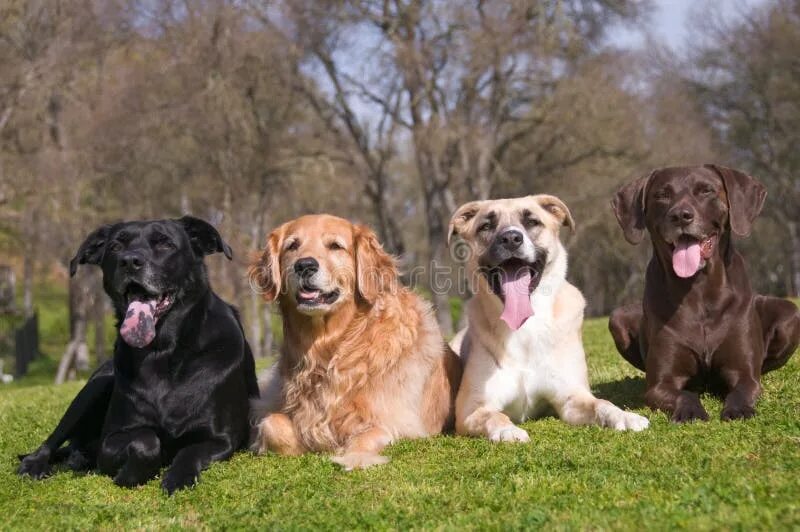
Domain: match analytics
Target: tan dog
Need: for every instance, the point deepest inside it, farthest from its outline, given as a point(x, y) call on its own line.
point(363, 362)
point(522, 349)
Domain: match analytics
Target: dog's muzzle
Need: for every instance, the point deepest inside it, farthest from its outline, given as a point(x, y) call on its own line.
point(309, 295)
point(512, 277)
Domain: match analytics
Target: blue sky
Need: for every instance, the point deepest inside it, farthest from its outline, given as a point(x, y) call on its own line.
point(671, 22)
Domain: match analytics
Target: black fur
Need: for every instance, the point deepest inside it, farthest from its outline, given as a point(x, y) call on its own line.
point(182, 400)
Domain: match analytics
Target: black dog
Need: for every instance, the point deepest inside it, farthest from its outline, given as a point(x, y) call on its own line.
point(700, 322)
point(177, 391)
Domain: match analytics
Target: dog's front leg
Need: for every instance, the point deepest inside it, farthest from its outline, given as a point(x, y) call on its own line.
point(583, 408)
point(744, 389)
point(668, 371)
point(363, 450)
point(624, 325)
point(132, 457)
point(192, 459)
point(82, 423)
point(495, 425)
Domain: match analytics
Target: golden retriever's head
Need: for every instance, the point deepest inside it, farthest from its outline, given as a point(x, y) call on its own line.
point(320, 262)
point(508, 238)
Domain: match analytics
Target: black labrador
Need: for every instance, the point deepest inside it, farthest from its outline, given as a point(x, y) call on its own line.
point(700, 324)
point(178, 388)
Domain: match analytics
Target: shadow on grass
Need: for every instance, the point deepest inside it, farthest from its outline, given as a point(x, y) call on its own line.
point(625, 393)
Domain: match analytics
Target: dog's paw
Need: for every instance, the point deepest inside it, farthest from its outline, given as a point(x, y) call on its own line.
point(732, 412)
point(35, 465)
point(78, 461)
point(633, 421)
point(688, 412)
point(130, 476)
point(509, 433)
point(126, 478)
point(177, 479)
point(351, 461)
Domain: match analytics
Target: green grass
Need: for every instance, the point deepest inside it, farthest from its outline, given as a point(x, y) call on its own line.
point(737, 475)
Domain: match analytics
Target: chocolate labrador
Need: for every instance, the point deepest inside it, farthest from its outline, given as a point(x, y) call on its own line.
point(700, 323)
point(177, 390)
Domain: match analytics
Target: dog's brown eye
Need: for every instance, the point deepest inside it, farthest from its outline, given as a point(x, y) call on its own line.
point(114, 247)
point(165, 245)
point(293, 246)
point(485, 226)
point(704, 190)
point(335, 246)
point(661, 194)
point(531, 222)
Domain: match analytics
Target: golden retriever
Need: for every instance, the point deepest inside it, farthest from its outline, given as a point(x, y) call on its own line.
point(363, 362)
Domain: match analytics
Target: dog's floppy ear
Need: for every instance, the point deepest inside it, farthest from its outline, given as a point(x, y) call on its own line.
point(557, 208)
point(628, 205)
point(376, 270)
point(204, 237)
point(746, 196)
point(461, 218)
point(265, 271)
point(91, 251)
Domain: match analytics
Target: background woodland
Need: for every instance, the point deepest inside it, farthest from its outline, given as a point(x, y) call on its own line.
point(389, 112)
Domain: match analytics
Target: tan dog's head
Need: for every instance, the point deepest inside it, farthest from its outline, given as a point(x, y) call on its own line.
point(510, 243)
point(320, 262)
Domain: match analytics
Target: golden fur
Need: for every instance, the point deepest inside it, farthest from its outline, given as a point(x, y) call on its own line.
point(360, 373)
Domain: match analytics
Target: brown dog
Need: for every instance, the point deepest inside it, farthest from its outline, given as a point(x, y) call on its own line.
point(363, 362)
point(700, 323)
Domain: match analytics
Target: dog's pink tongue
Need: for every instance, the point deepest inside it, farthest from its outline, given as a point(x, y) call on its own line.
point(686, 258)
point(139, 327)
point(516, 298)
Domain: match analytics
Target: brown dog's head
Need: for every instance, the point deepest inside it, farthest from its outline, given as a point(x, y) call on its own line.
point(688, 210)
point(317, 263)
point(510, 243)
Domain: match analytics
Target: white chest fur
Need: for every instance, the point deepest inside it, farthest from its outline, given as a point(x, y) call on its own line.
point(527, 368)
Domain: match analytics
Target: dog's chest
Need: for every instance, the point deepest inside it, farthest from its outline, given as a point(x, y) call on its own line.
point(528, 365)
point(167, 398)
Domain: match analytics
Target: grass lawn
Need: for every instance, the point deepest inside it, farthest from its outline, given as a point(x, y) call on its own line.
point(736, 475)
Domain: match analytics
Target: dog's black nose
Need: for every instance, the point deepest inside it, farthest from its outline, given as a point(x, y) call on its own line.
point(306, 267)
point(681, 216)
point(511, 239)
point(131, 261)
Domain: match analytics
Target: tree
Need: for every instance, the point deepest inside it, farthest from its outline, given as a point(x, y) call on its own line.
point(460, 81)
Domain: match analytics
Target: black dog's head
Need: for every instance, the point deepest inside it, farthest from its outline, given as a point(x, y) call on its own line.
point(688, 211)
point(148, 267)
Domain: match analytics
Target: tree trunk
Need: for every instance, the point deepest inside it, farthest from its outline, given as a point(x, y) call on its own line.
point(439, 272)
point(186, 207)
point(27, 284)
point(385, 222)
point(75, 349)
point(8, 288)
point(76, 355)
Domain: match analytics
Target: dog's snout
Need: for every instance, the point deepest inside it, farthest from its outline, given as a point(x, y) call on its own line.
point(131, 261)
point(511, 239)
point(306, 267)
point(681, 215)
